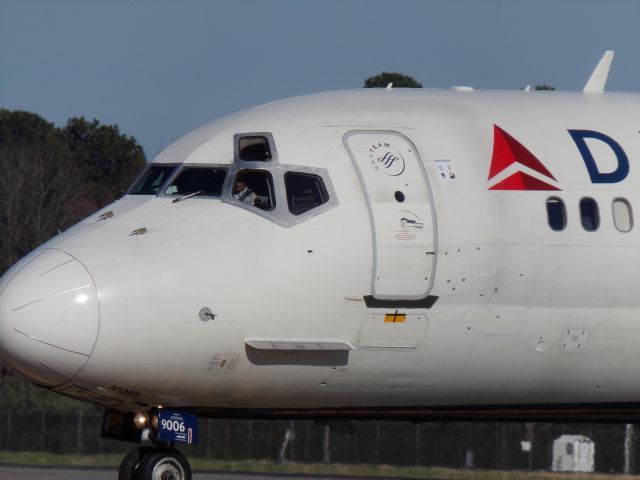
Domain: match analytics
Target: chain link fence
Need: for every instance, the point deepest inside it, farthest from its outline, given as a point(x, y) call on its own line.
point(504, 446)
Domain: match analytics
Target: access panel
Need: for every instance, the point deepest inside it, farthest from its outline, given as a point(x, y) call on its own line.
point(399, 199)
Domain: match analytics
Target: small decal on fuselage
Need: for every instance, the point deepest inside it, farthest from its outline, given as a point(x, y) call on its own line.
point(386, 159)
point(409, 223)
point(124, 391)
point(395, 317)
point(445, 170)
point(223, 363)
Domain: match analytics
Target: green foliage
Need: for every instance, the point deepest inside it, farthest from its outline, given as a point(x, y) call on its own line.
point(40, 185)
point(544, 86)
point(110, 159)
point(385, 78)
point(19, 127)
point(52, 177)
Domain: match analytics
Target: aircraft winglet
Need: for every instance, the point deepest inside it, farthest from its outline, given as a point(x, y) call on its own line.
point(598, 78)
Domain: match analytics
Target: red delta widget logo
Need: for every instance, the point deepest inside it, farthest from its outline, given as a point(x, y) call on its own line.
point(508, 151)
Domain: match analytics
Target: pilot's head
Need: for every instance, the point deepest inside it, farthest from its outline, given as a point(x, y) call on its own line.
point(239, 184)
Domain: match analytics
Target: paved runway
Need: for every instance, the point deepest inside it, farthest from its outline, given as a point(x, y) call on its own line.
point(22, 472)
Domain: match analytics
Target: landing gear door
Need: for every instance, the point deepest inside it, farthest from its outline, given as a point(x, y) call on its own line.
point(400, 203)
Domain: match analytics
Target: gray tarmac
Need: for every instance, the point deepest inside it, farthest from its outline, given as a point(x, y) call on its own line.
point(25, 472)
point(22, 472)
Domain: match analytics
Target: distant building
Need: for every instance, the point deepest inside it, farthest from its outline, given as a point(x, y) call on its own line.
point(573, 453)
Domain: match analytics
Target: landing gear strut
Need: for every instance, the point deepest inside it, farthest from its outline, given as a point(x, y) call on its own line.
point(154, 463)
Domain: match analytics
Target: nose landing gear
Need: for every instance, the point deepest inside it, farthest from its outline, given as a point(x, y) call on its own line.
point(159, 461)
point(154, 463)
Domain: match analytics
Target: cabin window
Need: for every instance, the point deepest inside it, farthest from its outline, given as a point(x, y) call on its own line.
point(197, 180)
point(622, 215)
point(254, 148)
point(589, 214)
point(304, 192)
point(254, 187)
point(151, 180)
point(556, 214)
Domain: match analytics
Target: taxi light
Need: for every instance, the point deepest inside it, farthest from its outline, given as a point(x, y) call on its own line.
point(140, 419)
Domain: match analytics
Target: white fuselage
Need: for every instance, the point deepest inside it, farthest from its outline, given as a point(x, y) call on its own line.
point(518, 314)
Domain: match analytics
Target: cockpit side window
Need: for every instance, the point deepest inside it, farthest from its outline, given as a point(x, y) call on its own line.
point(254, 187)
point(205, 181)
point(151, 180)
point(254, 148)
point(304, 192)
point(259, 182)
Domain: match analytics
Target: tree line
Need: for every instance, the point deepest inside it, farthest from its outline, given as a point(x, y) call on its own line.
point(54, 176)
point(399, 80)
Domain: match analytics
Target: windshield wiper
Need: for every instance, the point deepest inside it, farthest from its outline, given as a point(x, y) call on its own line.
point(179, 199)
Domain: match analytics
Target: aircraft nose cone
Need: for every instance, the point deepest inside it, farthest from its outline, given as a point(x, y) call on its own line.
point(48, 317)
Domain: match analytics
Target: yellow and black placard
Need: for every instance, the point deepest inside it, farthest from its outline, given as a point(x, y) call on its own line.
point(395, 317)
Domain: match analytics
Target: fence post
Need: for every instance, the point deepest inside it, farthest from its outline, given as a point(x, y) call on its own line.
point(530, 437)
point(79, 433)
point(289, 435)
point(326, 443)
point(9, 428)
point(269, 439)
point(503, 446)
point(306, 456)
point(250, 439)
point(418, 444)
point(42, 425)
point(377, 451)
point(628, 448)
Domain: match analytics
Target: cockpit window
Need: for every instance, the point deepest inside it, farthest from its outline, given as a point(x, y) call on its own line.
point(201, 180)
point(254, 187)
point(304, 192)
point(258, 180)
point(254, 148)
point(151, 180)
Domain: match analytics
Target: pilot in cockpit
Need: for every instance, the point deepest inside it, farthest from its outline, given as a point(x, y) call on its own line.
point(242, 192)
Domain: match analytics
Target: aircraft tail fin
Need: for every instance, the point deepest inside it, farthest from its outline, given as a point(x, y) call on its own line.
point(598, 78)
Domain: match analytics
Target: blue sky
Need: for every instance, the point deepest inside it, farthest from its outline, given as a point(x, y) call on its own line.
point(159, 68)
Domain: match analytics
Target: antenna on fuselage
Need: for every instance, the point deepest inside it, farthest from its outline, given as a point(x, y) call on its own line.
point(598, 78)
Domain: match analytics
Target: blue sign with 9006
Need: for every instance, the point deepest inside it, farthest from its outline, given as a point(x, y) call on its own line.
point(177, 427)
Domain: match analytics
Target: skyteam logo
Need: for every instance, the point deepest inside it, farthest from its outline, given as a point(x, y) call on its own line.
point(386, 159)
point(508, 152)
